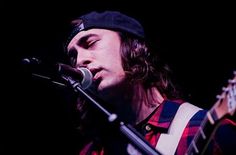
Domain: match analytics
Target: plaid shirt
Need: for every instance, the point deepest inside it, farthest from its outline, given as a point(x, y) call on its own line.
point(160, 121)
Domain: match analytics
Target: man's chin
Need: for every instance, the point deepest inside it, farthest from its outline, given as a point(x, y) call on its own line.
point(99, 89)
point(107, 90)
point(102, 90)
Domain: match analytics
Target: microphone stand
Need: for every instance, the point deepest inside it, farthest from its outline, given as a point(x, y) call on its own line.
point(126, 130)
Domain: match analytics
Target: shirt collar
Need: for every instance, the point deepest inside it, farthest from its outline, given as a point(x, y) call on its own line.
point(164, 115)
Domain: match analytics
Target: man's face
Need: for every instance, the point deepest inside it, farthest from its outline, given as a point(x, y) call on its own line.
point(99, 51)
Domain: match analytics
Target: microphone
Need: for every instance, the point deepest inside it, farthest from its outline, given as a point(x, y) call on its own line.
point(38, 68)
point(82, 74)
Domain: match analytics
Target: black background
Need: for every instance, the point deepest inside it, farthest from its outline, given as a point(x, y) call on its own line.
point(196, 39)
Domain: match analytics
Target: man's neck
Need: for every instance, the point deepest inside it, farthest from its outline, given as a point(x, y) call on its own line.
point(135, 103)
point(145, 102)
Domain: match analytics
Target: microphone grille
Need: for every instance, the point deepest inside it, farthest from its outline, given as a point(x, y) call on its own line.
point(87, 78)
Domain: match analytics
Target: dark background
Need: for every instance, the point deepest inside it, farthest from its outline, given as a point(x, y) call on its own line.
point(197, 40)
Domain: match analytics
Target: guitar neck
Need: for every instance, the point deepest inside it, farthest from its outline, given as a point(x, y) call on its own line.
point(225, 105)
point(205, 131)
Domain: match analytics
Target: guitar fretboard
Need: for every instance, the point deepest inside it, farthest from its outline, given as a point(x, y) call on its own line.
point(201, 139)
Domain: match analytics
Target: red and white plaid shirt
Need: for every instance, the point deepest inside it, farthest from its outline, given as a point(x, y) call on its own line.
point(159, 122)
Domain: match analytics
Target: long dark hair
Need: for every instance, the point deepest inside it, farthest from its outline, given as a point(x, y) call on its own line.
point(144, 65)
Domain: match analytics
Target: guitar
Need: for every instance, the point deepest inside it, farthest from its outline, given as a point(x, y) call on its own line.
point(225, 105)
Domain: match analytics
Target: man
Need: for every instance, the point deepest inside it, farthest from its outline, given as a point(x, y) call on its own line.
point(136, 85)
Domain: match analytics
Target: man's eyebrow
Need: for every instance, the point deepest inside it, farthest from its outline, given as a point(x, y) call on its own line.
point(83, 39)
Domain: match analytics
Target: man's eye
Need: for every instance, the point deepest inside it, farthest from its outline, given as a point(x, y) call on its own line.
point(91, 44)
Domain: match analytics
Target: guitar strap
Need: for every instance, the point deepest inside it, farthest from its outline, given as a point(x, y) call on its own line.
point(168, 142)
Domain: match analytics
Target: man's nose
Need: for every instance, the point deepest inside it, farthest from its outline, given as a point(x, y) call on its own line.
point(84, 58)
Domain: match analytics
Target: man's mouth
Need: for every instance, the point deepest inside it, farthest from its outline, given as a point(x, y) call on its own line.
point(96, 76)
point(95, 73)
